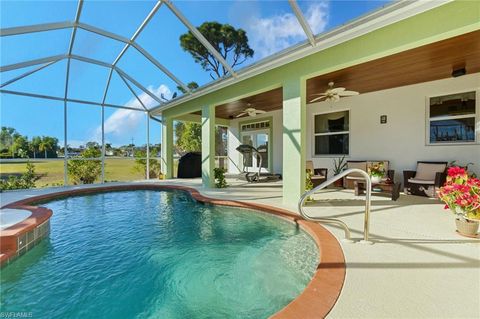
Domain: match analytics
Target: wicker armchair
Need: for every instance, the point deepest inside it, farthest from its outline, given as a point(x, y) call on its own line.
point(426, 179)
point(319, 175)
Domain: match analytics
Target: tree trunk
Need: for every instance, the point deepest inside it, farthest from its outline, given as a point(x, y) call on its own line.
point(45, 153)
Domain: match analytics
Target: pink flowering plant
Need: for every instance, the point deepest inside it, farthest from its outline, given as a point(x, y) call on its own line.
point(461, 193)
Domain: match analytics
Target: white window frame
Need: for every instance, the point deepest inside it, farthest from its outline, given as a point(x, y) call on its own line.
point(313, 134)
point(476, 116)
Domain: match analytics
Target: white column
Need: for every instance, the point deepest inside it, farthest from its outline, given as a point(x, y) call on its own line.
point(167, 147)
point(294, 140)
point(208, 145)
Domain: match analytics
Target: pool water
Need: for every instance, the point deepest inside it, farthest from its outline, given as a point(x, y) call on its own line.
point(158, 254)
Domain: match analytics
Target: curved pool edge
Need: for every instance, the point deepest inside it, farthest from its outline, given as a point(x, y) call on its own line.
point(323, 290)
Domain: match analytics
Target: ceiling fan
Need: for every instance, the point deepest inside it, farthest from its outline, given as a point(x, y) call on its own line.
point(333, 94)
point(250, 111)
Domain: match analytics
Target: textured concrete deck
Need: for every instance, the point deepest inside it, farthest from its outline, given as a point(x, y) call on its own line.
point(418, 266)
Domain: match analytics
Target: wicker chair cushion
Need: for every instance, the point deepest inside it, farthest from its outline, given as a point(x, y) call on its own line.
point(309, 166)
point(427, 171)
point(420, 181)
point(360, 165)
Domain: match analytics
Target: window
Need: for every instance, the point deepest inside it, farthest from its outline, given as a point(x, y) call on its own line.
point(331, 133)
point(452, 118)
point(255, 126)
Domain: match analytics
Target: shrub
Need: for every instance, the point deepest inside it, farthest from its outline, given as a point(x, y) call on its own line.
point(25, 181)
point(219, 174)
point(141, 165)
point(83, 171)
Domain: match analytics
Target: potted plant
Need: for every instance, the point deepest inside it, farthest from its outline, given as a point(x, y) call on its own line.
point(219, 175)
point(339, 165)
point(376, 172)
point(461, 194)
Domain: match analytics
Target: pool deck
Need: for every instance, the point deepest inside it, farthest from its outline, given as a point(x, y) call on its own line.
point(418, 267)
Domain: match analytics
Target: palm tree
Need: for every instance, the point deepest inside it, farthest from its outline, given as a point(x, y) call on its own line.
point(43, 146)
point(35, 144)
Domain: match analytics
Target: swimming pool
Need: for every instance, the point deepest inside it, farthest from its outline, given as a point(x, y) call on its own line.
point(159, 254)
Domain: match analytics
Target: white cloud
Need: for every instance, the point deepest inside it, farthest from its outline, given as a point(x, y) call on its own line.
point(271, 34)
point(123, 122)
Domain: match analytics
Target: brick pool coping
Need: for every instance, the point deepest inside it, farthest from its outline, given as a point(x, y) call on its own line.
point(315, 301)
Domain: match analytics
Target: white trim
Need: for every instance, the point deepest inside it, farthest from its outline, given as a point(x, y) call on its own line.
point(385, 16)
point(312, 133)
point(475, 115)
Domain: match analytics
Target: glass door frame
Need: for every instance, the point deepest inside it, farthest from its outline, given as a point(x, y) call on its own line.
point(269, 131)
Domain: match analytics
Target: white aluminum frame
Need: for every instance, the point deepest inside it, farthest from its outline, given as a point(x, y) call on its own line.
point(303, 22)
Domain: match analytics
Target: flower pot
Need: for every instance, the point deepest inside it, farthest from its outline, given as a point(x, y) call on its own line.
point(375, 179)
point(467, 227)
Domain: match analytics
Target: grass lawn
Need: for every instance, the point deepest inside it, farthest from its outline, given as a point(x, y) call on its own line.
point(51, 171)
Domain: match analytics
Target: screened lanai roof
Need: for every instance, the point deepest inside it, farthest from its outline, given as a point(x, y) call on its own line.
point(127, 54)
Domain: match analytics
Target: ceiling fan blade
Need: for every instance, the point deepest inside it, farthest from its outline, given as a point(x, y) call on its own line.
point(260, 111)
point(348, 93)
point(318, 98)
point(241, 114)
point(337, 90)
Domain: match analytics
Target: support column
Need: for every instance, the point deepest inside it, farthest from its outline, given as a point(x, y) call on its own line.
point(65, 145)
point(148, 146)
point(103, 144)
point(294, 140)
point(167, 147)
point(208, 145)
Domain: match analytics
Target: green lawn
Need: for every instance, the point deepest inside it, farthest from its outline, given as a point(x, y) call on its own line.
point(51, 172)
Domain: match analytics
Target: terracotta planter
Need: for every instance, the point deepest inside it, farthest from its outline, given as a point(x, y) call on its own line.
point(466, 227)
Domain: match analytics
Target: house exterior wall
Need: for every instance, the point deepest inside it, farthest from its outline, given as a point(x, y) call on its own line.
point(402, 140)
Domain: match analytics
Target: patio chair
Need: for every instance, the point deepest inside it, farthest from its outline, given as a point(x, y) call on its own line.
point(349, 180)
point(319, 175)
point(426, 179)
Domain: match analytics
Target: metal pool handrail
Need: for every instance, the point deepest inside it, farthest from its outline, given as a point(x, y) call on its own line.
point(337, 221)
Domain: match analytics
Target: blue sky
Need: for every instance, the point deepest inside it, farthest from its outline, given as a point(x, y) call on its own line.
point(270, 25)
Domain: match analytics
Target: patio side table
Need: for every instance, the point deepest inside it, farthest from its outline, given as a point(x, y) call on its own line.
point(391, 188)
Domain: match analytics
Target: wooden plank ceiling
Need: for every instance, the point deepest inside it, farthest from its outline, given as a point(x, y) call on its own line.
point(426, 63)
